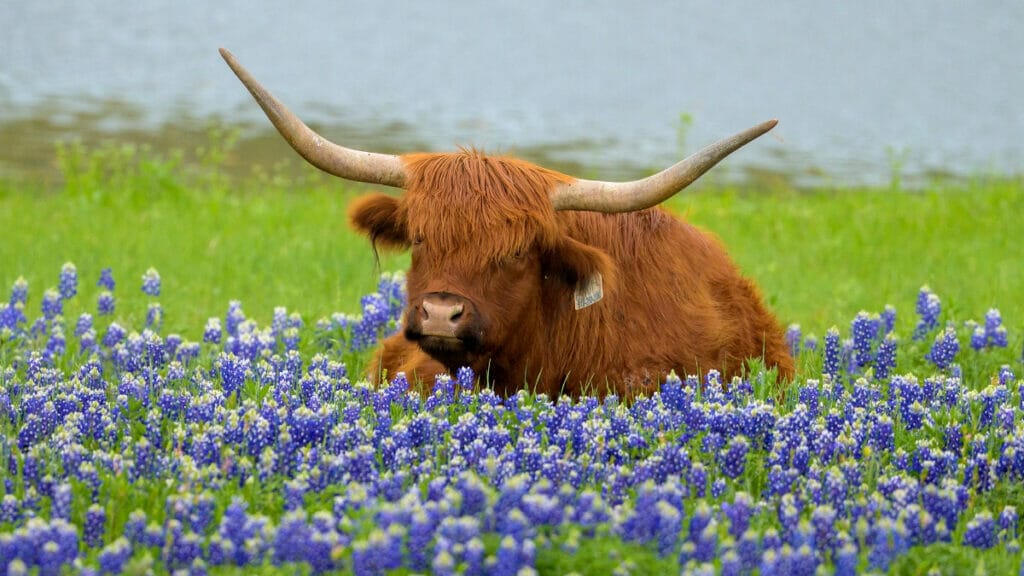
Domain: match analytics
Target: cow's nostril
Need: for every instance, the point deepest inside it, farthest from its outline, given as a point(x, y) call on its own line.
point(456, 312)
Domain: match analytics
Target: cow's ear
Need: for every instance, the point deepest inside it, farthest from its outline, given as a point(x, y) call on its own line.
point(379, 217)
point(579, 264)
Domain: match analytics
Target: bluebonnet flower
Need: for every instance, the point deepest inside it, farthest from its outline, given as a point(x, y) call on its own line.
point(60, 506)
point(155, 316)
point(202, 513)
point(184, 547)
point(53, 306)
point(1008, 520)
point(234, 318)
point(68, 285)
point(1005, 375)
point(212, 333)
point(883, 436)
point(105, 303)
point(928, 308)
point(793, 339)
point(106, 279)
point(886, 540)
point(135, 526)
point(811, 343)
point(731, 564)
point(115, 555)
point(114, 335)
point(732, 460)
point(739, 512)
point(466, 378)
point(291, 538)
point(10, 509)
point(19, 291)
point(944, 349)
point(513, 556)
point(865, 330)
point(888, 318)
point(979, 339)
point(995, 332)
point(290, 338)
point(151, 282)
point(698, 480)
point(831, 364)
point(84, 324)
point(885, 360)
point(55, 344)
point(12, 316)
point(232, 372)
point(981, 531)
point(95, 521)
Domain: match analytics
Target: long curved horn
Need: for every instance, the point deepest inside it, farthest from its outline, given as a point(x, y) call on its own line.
point(611, 197)
point(347, 163)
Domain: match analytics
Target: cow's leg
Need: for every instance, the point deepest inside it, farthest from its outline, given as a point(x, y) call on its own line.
point(398, 354)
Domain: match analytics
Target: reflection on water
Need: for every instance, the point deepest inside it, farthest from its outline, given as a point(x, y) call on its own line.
point(586, 87)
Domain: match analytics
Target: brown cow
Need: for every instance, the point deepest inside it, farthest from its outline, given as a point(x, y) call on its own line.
point(537, 279)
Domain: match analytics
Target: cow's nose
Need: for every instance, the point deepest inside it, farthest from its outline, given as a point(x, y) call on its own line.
point(440, 315)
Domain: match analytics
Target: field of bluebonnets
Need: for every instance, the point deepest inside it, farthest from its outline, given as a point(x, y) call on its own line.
point(150, 426)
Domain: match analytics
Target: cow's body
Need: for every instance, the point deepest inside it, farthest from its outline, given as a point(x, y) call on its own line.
point(673, 300)
point(506, 255)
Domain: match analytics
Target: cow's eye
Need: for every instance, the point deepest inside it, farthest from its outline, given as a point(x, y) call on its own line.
point(417, 240)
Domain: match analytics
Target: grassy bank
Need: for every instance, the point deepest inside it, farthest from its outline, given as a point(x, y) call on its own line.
point(268, 240)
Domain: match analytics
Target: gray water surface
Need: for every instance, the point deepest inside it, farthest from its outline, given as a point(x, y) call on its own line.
point(859, 87)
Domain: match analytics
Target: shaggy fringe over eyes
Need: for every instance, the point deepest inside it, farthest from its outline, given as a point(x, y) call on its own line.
point(495, 205)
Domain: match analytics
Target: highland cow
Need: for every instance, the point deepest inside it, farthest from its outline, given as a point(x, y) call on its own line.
point(539, 280)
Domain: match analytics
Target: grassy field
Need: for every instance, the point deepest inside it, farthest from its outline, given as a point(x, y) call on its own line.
point(820, 256)
point(182, 441)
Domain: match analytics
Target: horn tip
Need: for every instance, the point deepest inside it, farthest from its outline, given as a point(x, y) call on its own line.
point(226, 54)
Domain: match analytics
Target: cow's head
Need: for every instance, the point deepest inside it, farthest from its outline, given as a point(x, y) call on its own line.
point(488, 245)
point(487, 249)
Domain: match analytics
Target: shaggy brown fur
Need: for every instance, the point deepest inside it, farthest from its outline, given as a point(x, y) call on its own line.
point(483, 228)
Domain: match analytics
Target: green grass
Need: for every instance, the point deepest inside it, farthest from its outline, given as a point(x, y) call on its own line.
point(273, 239)
point(280, 237)
point(267, 241)
point(821, 256)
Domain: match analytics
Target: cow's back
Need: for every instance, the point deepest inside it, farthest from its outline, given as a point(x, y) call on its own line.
point(678, 303)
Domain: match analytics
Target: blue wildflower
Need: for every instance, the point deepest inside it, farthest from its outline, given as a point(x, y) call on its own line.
point(151, 282)
point(105, 303)
point(53, 306)
point(981, 531)
point(793, 339)
point(106, 279)
point(928, 308)
point(733, 459)
point(155, 316)
point(995, 332)
point(944, 349)
point(888, 318)
point(865, 330)
point(60, 506)
point(95, 522)
point(1008, 521)
point(68, 284)
point(831, 363)
point(19, 291)
point(114, 556)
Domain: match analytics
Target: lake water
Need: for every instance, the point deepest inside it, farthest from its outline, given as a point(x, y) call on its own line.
point(859, 87)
